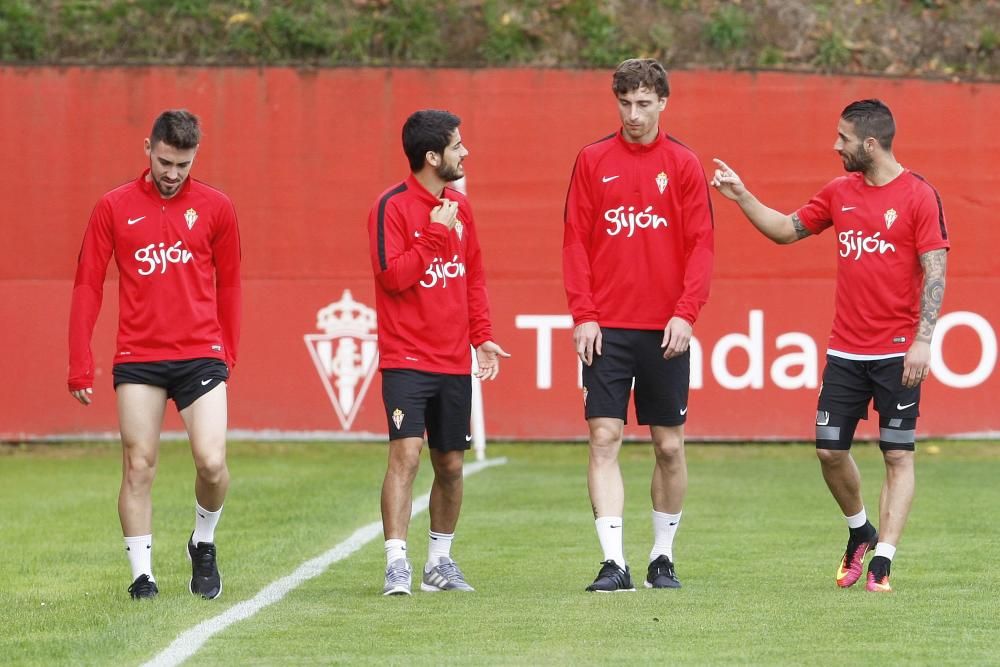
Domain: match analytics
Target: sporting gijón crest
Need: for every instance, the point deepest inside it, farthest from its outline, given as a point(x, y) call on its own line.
point(345, 354)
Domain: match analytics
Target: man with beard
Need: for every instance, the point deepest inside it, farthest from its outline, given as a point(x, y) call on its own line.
point(431, 303)
point(893, 245)
point(177, 248)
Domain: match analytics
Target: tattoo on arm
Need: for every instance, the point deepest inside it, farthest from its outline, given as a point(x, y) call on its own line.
point(934, 264)
point(800, 230)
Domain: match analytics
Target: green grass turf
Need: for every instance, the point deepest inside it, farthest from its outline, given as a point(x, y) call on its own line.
point(757, 551)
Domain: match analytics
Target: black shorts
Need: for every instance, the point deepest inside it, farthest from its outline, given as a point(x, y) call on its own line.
point(185, 381)
point(848, 386)
point(438, 403)
point(661, 385)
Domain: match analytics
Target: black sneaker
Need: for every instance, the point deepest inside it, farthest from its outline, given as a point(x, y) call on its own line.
point(205, 579)
point(660, 574)
point(143, 588)
point(612, 579)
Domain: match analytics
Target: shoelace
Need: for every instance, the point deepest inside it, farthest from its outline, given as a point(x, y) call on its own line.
point(397, 575)
point(610, 569)
point(450, 571)
point(204, 560)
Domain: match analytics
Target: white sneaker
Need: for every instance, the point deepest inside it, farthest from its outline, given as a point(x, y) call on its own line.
point(397, 577)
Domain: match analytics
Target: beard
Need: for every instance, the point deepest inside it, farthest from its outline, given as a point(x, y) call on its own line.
point(449, 173)
point(858, 161)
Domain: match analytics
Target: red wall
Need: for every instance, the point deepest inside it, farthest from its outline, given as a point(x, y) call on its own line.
point(304, 153)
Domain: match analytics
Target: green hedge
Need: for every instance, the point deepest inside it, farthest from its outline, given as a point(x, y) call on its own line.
point(914, 38)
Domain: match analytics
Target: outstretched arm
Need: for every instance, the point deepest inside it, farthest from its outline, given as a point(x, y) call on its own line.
point(777, 226)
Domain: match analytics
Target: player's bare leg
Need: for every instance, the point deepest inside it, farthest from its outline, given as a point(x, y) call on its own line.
point(894, 508)
point(140, 417)
point(667, 490)
point(397, 487)
point(844, 481)
point(397, 504)
point(604, 476)
point(446, 491)
point(842, 478)
point(441, 573)
point(670, 480)
point(607, 497)
point(205, 421)
point(897, 494)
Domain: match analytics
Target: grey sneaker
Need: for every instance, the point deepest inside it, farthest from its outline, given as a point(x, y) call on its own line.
point(445, 576)
point(397, 578)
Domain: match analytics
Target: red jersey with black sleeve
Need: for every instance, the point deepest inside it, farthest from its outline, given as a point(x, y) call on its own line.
point(638, 235)
point(881, 233)
point(178, 261)
point(430, 289)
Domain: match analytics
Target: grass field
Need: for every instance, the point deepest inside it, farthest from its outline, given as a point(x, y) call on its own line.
point(757, 552)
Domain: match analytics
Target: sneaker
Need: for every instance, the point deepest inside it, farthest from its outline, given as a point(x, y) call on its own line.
point(205, 578)
point(445, 576)
point(612, 579)
point(143, 588)
point(660, 574)
point(397, 578)
point(878, 575)
point(857, 546)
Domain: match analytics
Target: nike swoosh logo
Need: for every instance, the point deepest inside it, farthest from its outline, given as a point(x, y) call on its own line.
point(845, 209)
point(468, 438)
point(841, 572)
point(618, 526)
point(608, 179)
point(204, 382)
point(132, 221)
point(684, 411)
point(903, 407)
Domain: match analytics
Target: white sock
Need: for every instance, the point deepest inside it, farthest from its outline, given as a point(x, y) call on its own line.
point(609, 532)
point(204, 524)
point(139, 550)
point(858, 520)
point(664, 528)
point(438, 547)
point(885, 550)
point(394, 550)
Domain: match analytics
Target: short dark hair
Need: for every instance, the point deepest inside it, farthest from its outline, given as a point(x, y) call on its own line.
point(871, 118)
point(427, 130)
point(636, 73)
point(176, 127)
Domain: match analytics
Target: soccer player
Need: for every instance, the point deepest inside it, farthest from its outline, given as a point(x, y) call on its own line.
point(430, 297)
point(892, 250)
point(637, 263)
point(177, 248)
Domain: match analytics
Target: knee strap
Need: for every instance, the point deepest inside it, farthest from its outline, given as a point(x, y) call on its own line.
point(834, 431)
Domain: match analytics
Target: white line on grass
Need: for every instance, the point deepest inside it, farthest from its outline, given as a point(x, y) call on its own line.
point(189, 641)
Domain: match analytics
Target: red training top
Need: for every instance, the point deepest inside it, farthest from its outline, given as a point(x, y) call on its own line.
point(179, 277)
point(638, 235)
point(430, 289)
point(881, 233)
